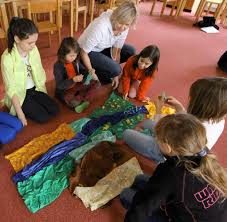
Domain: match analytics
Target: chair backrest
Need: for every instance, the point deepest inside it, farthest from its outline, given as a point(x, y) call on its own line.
point(45, 6)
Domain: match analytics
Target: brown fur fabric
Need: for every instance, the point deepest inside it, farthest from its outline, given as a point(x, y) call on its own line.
point(97, 163)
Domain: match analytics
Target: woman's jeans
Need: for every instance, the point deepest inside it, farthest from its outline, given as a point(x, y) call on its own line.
point(105, 67)
point(144, 144)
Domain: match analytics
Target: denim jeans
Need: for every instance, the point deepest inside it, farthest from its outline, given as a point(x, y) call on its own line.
point(127, 195)
point(106, 68)
point(144, 144)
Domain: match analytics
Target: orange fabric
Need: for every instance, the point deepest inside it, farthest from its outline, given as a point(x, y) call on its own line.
point(71, 72)
point(24, 155)
point(129, 74)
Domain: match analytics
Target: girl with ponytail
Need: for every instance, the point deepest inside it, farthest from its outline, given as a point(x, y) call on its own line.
point(189, 186)
point(23, 74)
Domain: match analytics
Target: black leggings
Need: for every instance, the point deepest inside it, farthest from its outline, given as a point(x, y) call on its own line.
point(38, 106)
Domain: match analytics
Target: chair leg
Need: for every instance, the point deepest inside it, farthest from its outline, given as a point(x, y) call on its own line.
point(208, 9)
point(49, 39)
point(163, 7)
point(76, 20)
point(220, 9)
point(199, 8)
point(59, 36)
point(181, 7)
point(85, 18)
point(200, 11)
point(173, 7)
point(152, 7)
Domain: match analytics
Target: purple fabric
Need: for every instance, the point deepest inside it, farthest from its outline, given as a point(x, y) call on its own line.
point(54, 155)
point(95, 123)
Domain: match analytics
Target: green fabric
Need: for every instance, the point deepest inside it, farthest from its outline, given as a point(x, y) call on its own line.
point(78, 153)
point(46, 185)
point(88, 79)
point(78, 124)
point(114, 104)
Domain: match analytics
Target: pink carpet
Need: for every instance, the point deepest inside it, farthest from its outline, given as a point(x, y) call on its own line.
point(186, 54)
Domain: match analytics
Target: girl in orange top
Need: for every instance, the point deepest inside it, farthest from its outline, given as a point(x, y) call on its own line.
point(138, 73)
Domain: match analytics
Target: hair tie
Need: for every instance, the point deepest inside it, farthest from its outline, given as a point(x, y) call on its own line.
point(203, 152)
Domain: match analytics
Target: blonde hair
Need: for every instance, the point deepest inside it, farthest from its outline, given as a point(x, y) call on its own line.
point(208, 99)
point(187, 137)
point(125, 13)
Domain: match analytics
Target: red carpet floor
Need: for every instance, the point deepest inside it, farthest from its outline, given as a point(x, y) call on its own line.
point(186, 54)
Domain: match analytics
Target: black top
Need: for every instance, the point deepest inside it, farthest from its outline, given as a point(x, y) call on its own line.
point(180, 193)
point(61, 78)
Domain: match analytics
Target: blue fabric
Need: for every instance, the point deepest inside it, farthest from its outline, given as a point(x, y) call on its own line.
point(54, 155)
point(9, 126)
point(95, 123)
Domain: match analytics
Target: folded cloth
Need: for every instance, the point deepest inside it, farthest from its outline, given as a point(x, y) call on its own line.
point(110, 186)
point(24, 155)
point(54, 155)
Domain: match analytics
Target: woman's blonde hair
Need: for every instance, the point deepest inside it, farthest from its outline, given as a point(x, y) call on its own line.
point(125, 13)
point(186, 135)
point(208, 99)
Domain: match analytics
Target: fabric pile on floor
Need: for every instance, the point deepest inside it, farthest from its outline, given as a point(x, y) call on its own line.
point(44, 164)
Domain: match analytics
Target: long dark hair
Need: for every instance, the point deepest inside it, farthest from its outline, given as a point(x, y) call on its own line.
point(152, 52)
point(20, 27)
point(68, 44)
point(208, 99)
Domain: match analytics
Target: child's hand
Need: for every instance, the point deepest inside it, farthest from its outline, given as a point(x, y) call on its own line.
point(125, 97)
point(115, 82)
point(159, 103)
point(146, 99)
point(171, 101)
point(22, 118)
point(95, 77)
point(78, 78)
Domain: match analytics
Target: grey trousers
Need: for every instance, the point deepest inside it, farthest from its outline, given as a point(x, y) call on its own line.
point(144, 144)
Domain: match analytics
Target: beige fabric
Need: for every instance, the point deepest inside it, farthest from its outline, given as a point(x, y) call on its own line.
point(110, 186)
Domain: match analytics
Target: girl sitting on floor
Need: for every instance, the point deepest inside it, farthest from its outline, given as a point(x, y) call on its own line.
point(207, 101)
point(189, 186)
point(23, 74)
point(139, 72)
point(73, 83)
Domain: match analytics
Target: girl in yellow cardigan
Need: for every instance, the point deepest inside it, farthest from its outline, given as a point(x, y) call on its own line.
point(23, 74)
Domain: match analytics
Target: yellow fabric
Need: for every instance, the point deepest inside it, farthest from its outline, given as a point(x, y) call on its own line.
point(109, 186)
point(24, 155)
point(152, 110)
point(14, 73)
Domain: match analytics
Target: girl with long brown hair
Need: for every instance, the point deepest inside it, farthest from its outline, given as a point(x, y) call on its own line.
point(189, 186)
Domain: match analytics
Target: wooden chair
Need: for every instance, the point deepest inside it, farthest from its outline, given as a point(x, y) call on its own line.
point(224, 16)
point(3, 24)
point(79, 9)
point(178, 4)
point(207, 4)
point(36, 7)
point(19, 8)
